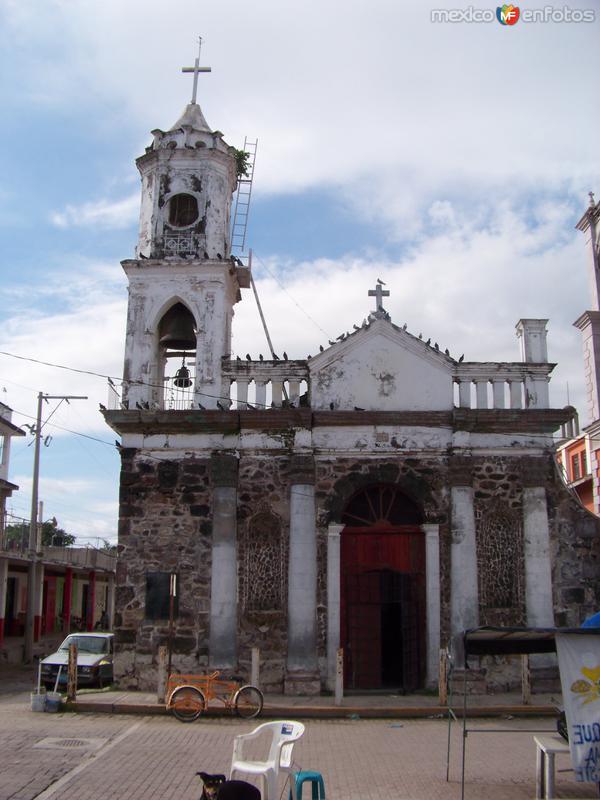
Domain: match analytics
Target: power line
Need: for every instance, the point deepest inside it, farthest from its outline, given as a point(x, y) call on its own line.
point(160, 386)
point(281, 286)
point(109, 377)
point(60, 366)
point(67, 430)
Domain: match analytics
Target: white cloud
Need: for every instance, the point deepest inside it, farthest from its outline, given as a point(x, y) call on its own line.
point(100, 214)
point(465, 284)
point(472, 145)
point(84, 507)
point(78, 321)
point(372, 98)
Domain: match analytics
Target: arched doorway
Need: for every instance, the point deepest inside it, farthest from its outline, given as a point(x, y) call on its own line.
point(382, 574)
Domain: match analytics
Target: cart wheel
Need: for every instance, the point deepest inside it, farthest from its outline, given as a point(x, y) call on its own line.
point(248, 702)
point(187, 703)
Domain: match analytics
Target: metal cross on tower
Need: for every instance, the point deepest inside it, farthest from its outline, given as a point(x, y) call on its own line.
point(196, 69)
point(378, 293)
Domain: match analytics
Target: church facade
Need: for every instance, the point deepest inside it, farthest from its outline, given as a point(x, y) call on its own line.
point(379, 497)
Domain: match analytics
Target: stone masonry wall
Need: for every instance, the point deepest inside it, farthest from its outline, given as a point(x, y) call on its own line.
point(575, 542)
point(165, 526)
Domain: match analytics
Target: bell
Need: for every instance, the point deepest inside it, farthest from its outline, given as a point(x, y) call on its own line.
point(177, 329)
point(182, 378)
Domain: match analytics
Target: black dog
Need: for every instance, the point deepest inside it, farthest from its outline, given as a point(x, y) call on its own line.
point(238, 790)
point(217, 787)
point(211, 785)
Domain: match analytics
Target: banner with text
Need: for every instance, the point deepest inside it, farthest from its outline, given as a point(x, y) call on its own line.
point(579, 664)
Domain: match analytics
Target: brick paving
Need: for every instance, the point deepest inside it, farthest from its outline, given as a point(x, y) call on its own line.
point(157, 757)
point(152, 757)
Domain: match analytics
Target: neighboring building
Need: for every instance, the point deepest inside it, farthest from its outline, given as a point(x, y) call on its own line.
point(381, 496)
point(579, 453)
point(74, 585)
point(573, 455)
point(7, 430)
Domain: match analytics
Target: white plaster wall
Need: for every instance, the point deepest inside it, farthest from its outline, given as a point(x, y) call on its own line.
point(208, 290)
point(380, 368)
point(380, 438)
point(207, 174)
point(365, 440)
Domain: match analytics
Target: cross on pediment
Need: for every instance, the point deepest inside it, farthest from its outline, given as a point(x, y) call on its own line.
point(379, 293)
point(196, 69)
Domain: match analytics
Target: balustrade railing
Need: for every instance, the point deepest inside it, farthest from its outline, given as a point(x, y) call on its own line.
point(510, 385)
point(277, 384)
point(267, 384)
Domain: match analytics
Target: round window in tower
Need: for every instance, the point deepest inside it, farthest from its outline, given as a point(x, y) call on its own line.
point(183, 210)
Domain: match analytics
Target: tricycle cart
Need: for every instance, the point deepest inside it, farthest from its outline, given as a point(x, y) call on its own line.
point(189, 695)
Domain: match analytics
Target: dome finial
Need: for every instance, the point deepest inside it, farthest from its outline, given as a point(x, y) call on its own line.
point(196, 69)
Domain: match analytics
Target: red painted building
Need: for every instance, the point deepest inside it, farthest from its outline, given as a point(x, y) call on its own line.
point(579, 452)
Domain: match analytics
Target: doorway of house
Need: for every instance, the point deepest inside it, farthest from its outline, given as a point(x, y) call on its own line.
point(383, 591)
point(11, 603)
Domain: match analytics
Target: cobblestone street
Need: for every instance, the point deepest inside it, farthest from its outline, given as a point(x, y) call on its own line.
point(157, 757)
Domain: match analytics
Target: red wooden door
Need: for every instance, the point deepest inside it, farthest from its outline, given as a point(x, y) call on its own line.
point(382, 589)
point(363, 619)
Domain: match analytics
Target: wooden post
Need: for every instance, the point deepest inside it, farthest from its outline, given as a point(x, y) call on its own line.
point(162, 674)
point(172, 596)
point(72, 674)
point(443, 677)
point(255, 668)
point(339, 676)
point(525, 680)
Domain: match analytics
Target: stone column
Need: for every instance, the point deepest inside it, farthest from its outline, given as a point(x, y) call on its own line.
point(432, 577)
point(224, 579)
point(302, 676)
point(536, 536)
point(589, 325)
point(464, 600)
point(333, 599)
point(3, 587)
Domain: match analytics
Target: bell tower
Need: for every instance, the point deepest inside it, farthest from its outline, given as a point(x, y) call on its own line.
point(183, 283)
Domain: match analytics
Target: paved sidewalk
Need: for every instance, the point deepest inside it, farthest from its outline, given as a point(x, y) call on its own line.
point(147, 758)
point(324, 707)
point(98, 756)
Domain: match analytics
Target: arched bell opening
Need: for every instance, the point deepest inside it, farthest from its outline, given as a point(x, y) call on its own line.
point(177, 344)
point(382, 591)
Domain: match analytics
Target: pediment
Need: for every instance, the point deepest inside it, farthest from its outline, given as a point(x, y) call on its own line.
point(381, 367)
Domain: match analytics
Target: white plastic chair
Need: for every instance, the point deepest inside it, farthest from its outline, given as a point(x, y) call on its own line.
point(283, 735)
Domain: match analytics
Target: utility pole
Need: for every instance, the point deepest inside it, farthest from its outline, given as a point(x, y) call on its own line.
point(33, 525)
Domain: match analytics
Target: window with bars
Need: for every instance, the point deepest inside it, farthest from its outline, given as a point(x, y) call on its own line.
point(183, 210)
point(158, 595)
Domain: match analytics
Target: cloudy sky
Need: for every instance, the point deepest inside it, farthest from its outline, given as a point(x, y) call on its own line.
point(451, 160)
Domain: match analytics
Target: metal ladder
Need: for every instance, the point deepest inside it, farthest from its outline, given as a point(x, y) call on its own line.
point(242, 200)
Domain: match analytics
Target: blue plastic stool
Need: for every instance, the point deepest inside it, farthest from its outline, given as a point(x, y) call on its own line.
point(315, 778)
